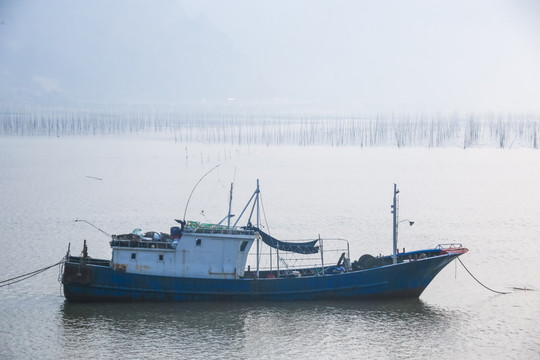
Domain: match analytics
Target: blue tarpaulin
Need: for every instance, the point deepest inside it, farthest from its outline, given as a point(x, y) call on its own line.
point(300, 248)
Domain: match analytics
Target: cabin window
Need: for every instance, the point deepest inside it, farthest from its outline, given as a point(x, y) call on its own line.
point(160, 257)
point(133, 256)
point(198, 242)
point(243, 245)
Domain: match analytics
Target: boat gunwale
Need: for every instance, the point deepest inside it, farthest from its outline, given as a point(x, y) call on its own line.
point(93, 262)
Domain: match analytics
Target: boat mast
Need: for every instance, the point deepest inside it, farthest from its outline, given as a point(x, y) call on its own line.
point(395, 224)
point(258, 227)
point(230, 204)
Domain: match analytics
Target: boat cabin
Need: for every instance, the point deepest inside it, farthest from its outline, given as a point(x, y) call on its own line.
point(195, 251)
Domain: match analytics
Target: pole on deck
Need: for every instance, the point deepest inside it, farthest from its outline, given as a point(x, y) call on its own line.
point(258, 227)
point(395, 224)
point(230, 204)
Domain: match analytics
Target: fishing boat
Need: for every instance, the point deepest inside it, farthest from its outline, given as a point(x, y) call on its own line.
point(209, 262)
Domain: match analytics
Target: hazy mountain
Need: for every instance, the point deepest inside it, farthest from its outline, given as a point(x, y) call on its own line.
point(117, 51)
point(348, 55)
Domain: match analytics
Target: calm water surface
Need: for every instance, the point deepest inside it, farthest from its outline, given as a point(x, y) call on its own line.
point(486, 199)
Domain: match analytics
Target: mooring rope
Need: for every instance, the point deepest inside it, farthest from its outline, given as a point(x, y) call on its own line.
point(19, 278)
point(495, 291)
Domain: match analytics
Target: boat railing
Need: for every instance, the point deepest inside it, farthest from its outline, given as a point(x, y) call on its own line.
point(88, 261)
point(226, 231)
point(139, 243)
point(204, 228)
point(449, 246)
point(332, 251)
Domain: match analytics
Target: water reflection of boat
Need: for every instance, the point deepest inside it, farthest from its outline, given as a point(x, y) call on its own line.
point(208, 262)
point(209, 329)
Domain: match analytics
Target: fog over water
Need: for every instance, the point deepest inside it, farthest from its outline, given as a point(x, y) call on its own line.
point(361, 56)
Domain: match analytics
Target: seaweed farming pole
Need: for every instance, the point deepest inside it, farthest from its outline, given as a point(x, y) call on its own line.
point(395, 224)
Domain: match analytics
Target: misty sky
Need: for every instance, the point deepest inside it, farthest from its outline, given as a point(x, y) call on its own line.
point(366, 56)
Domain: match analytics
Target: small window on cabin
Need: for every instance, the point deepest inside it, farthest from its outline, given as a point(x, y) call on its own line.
point(160, 257)
point(243, 245)
point(133, 256)
point(198, 242)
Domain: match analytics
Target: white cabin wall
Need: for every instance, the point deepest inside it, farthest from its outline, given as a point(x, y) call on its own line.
point(217, 256)
point(241, 258)
point(147, 261)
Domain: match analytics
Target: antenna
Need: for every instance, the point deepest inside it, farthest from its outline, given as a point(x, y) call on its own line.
point(192, 191)
point(94, 226)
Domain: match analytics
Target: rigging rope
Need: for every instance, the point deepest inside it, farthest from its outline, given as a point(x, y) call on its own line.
point(495, 291)
point(264, 214)
point(19, 278)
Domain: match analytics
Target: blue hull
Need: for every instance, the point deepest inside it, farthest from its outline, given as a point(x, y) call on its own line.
point(97, 282)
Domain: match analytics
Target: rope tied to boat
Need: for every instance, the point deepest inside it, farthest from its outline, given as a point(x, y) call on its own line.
point(478, 281)
point(19, 278)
